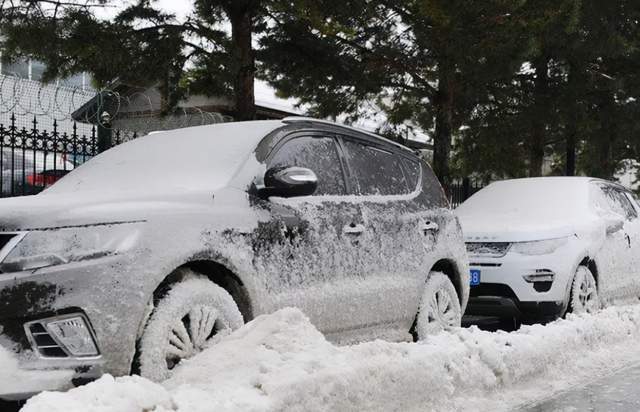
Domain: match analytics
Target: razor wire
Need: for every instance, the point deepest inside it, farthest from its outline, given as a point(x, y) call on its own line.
point(137, 112)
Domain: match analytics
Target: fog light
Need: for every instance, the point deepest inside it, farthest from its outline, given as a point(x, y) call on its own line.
point(541, 275)
point(73, 333)
point(538, 278)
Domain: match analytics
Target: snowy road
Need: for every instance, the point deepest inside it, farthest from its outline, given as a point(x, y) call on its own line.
point(613, 393)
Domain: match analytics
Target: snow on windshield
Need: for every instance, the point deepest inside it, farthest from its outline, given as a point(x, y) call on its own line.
point(203, 157)
point(521, 202)
point(281, 362)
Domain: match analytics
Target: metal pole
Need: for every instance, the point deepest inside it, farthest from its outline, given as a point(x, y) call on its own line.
point(105, 132)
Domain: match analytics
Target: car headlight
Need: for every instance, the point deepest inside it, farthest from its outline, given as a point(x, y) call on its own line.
point(538, 247)
point(42, 248)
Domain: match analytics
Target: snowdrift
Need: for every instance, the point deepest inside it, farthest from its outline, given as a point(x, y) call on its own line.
point(15, 380)
point(281, 362)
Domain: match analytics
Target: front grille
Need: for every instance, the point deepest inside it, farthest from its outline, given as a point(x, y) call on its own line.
point(485, 265)
point(494, 290)
point(44, 343)
point(488, 249)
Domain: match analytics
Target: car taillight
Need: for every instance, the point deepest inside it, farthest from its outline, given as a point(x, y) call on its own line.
point(42, 180)
point(49, 180)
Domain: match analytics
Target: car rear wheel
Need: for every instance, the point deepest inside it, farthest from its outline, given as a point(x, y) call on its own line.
point(584, 292)
point(194, 314)
point(439, 307)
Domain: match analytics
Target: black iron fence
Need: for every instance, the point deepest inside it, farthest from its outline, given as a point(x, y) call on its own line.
point(33, 159)
point(461, 190)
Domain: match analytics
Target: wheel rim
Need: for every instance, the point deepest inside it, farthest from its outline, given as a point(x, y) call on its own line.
point(587, 294)
point(201, 326)
point(441, 310)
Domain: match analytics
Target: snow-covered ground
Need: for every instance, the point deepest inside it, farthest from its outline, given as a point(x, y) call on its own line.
point(14, 380)
point(281, 362)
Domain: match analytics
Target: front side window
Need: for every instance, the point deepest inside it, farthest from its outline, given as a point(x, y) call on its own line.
point(377, 171)
point(319, 154)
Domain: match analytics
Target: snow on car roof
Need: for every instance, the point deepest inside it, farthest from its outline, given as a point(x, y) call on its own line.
point(202, 157)
point(301, 119)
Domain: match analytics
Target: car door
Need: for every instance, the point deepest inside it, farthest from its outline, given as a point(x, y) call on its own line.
point(307, 249)
point(397, 231)
point(619, 255)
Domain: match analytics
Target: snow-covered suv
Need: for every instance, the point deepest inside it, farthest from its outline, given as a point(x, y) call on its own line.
point(544, 246)
point(161, 246)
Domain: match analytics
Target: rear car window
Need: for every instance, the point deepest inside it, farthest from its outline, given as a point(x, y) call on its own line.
point(617, 201)
point(377, 171)
point(412, 170)
point(432, 188)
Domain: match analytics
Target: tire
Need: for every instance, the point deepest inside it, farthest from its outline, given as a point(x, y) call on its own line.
point(439, 307)
point(584, 292)
point(194, 314)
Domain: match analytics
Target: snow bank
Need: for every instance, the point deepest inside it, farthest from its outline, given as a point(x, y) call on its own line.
point(13, 380)
point(281, 362)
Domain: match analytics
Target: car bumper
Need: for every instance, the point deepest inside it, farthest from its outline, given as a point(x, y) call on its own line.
point(504, 291)
point(505, 307)
point(37, 375)
point(93, 290)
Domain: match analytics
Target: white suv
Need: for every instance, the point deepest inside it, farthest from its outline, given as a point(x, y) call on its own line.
point(544, 246)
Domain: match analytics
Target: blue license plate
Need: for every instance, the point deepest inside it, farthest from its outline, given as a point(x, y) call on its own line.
point(475, 277)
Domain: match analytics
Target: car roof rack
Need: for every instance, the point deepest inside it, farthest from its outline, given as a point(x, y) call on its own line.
point(302, 119)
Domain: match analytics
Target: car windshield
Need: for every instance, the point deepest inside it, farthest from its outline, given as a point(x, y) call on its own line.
point(196, 158)
point(544, 199)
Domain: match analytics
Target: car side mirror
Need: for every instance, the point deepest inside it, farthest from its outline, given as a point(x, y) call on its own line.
point(614, 224)
point(289, 181)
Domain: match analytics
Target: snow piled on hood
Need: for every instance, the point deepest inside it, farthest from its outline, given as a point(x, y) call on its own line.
point(15, 380)
point(187, 159)
point(281, 362)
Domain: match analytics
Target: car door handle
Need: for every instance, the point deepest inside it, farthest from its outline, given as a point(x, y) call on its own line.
point(430, 227)
point(353, 229)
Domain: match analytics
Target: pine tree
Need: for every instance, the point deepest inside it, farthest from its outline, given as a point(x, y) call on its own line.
point(143, 45)
point(424, 62)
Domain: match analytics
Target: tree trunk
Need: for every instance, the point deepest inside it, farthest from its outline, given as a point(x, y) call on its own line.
point(570, 161)
point(538, 132)
point(244, 63)
point(572, 120)
point(607, 138)
point(443, 102)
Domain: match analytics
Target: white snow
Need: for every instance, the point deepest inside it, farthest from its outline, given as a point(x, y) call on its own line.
point(281, 362)
point(515, 208)
point(156, 163)
point(15, 380)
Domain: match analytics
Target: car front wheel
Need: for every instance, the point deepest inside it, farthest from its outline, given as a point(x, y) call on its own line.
point(584, 292)
point(439, 307)
point(193, 314)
